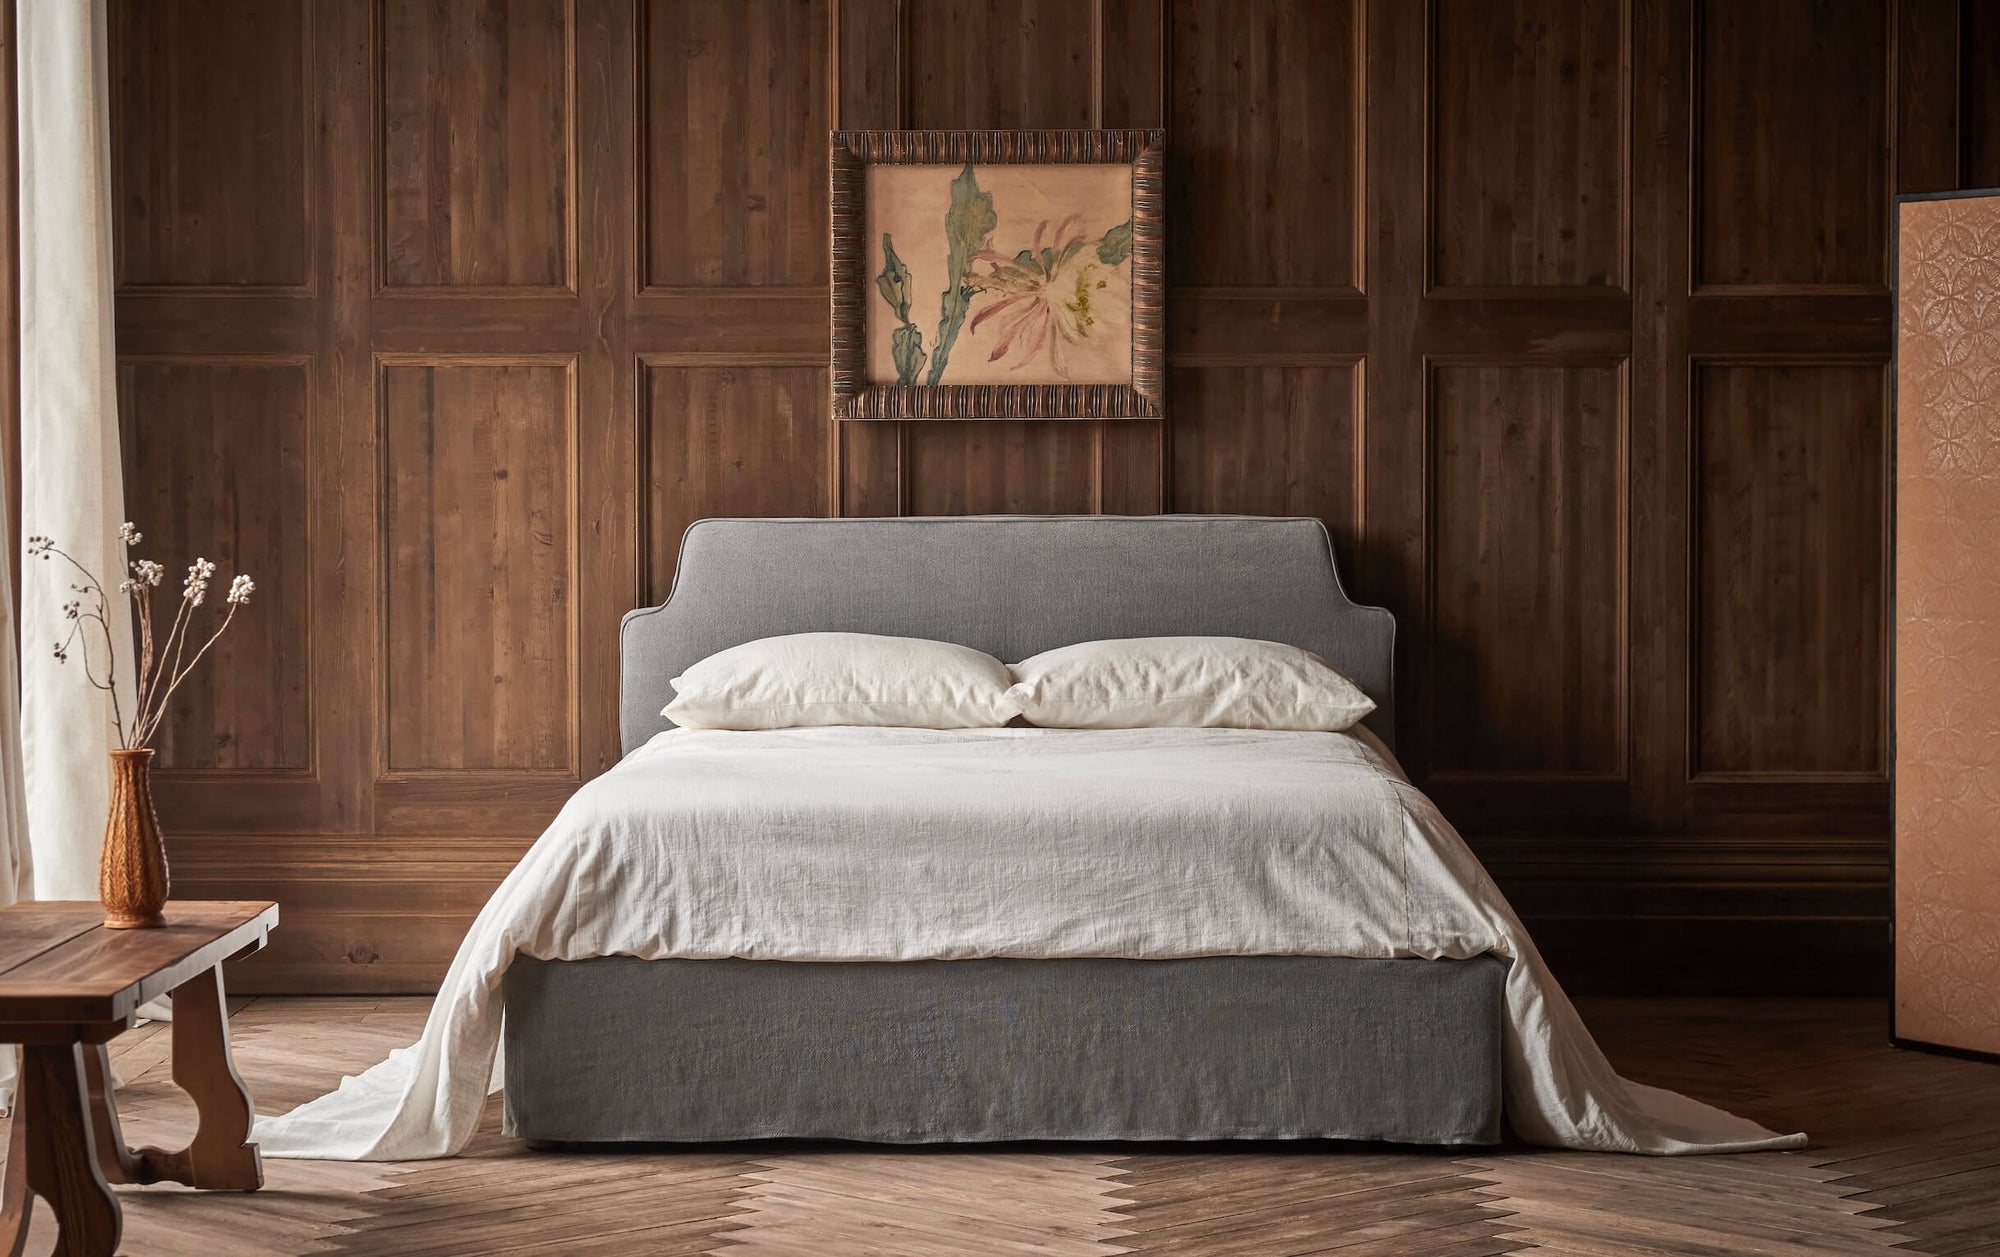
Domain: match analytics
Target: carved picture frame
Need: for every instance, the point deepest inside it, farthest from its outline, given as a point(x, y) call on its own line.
point(1037, 301)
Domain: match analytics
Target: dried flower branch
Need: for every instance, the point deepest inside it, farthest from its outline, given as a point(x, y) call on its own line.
point(162, 663)
point(46, 549)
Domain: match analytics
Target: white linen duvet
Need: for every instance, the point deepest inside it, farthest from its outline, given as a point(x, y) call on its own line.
point(886, 844)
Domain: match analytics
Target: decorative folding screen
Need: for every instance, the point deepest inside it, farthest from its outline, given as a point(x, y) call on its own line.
point(1947, 671)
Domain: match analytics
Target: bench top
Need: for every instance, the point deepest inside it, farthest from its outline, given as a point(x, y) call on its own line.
point(58, 964)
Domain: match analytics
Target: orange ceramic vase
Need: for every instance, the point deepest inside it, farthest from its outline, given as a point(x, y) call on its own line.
point(132, 872)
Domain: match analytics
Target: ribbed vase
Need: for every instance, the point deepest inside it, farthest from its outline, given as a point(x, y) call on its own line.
point(132, 872)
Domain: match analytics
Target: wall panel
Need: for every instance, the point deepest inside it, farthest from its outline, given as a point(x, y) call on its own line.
point(1568, 318)
point(733, 163)
point(1008, 468)
point(1527, 570)
point(728, 440)
point(1528, 132)
point(1789, 569)
point(217, 456)
point(1271, 440)
point(476, 124)
point(477, 553)
point(1979, 98)
point(1265, 194)
point(967, 63)
point(1792, 125)
point(214, 100)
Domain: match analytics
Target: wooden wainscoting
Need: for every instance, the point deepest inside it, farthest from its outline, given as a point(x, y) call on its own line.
point(1570, 318)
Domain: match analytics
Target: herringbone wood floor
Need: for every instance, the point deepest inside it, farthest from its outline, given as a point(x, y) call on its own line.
point(1906, 1156)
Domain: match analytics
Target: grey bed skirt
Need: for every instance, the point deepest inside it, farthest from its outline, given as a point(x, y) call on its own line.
point(618, 1049)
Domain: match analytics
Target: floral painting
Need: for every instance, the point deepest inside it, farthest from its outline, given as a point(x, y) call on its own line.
point(1000, 274)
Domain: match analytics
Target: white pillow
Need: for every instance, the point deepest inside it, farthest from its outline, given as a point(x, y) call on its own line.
point(843, 679)
point(1185, 682)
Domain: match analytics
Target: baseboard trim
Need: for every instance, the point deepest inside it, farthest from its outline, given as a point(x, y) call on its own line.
point(1761, 956)
point(1939, 1049)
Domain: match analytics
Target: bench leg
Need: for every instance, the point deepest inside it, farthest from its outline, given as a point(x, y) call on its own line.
point(221, 1156)
point(61, 1151)
point(117, 1161)
point(18, 1202)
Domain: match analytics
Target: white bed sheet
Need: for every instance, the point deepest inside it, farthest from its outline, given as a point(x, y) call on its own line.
point(903, 844)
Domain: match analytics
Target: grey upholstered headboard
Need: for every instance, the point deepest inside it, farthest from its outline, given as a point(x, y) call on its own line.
point(1010, 585)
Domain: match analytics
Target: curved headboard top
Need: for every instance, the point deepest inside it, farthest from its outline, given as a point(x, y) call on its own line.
point(1010, 585)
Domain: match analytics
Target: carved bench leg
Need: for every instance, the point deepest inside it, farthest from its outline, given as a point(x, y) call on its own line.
point(118, 1162)
point(18, 1203)
point(61, 1156)
point(221, 1156)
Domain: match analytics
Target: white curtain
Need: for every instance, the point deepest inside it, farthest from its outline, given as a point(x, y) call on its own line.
point(72, 489)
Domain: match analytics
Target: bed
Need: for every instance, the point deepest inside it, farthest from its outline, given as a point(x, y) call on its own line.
point(915, 935)
point(1222, 1047)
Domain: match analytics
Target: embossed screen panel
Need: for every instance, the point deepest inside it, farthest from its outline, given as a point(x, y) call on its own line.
point(1947, 669)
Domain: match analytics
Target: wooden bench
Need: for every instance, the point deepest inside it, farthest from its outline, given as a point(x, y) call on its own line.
point(68, 986)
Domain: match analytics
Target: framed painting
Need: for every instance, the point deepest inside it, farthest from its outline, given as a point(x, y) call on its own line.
point(998, 274)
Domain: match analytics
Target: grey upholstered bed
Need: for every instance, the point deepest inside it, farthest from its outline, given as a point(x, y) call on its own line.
point(621, 1049)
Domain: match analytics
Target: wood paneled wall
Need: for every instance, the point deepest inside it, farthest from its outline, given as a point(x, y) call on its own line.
point(1570, 317)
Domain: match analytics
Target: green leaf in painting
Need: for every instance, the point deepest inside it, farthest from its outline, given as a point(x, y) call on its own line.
point(967, 224)
point(906, 343)
point(906, 346)
point(894, 281)
point(1116, 245)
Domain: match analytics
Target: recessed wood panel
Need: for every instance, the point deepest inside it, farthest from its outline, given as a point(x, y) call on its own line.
point(215, 452)
point(973, 64)
point(211, 142)
point(1788, 568)
point(1528, 143)
point(1980, 106)
point(869, 457)
point(1270, 440)
point(477, 540)
point(1527, 570)
point(1791, 142)
point(734, 143)
point(728, 440)
point(475, 119)
point(1006, 467)
point(1132, 466)
point(1265, 159)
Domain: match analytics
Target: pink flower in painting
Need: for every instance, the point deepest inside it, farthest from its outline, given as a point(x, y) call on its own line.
point(1045, 292)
